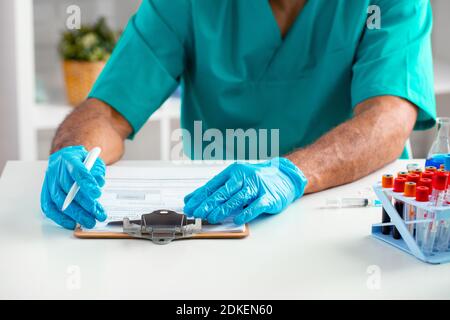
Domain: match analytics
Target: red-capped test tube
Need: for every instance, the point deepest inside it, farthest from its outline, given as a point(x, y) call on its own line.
point(402, 174)
point(426, 182)
point(419, 172)
point(443, 231)
point(422, 228)
point(413, 177)
point(387, 182)
point(438, 196)
point(427, 174)
point(409, 210)
point(411, 167)
point(399, 187)
point(440, 181)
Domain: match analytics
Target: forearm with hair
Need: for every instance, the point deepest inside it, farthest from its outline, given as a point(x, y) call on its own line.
point(374, 137)
point(92, 124)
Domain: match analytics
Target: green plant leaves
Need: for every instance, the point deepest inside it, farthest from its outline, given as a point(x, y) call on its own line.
point(90, 43)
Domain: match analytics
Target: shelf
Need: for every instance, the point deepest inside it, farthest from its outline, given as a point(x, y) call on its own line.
point(442, 77)
point(49, 116)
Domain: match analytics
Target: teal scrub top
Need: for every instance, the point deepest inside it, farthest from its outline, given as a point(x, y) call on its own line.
point(236, 70)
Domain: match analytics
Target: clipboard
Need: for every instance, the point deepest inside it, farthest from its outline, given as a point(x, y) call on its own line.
point(86, 234)
point(161, 227)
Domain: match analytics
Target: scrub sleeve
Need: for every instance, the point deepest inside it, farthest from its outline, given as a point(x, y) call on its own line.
point(144, 68)
point(397, 58)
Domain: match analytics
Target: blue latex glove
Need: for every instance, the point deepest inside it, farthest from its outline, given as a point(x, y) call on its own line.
point(246, 191)
point(64, 167)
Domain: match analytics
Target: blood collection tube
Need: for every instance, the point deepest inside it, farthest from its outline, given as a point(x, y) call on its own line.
point(426, 182)
point(402, 174)
point(443, 230)
point(440, 182)
point(412, 167)
point(430, 168)
point(442, 171)
point(427, 174)
point(413, 177)
point(399, 187)
point(422, 195)
point(418, 172)
point(387, 182)
point(409, 211)
point(438, 196)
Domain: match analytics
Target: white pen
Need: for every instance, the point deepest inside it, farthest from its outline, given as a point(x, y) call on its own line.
point(88, 163)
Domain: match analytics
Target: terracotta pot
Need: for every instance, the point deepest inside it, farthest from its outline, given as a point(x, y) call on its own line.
point(79, 78)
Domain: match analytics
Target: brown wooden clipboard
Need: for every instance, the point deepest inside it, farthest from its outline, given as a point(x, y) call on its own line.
point(86, 234)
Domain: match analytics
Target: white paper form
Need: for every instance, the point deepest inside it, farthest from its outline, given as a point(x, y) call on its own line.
point(132, 191)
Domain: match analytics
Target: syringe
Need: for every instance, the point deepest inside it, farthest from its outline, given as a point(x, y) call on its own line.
point(337, 203)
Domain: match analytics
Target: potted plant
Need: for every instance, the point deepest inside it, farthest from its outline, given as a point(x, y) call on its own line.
point(84, 52)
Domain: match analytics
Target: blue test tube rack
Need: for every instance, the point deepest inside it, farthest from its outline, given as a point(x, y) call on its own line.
point(407, 242)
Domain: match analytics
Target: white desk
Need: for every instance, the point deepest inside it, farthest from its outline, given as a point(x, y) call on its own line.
point(305, 252)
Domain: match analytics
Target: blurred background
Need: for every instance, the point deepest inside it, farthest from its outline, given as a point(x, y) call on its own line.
point(34, 80)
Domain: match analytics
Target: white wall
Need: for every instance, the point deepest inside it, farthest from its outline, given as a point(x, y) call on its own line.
point(421, 140)
point(8, 114)
point(441, 38)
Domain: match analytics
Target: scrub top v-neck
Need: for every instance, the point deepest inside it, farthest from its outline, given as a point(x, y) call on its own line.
point(237, 71)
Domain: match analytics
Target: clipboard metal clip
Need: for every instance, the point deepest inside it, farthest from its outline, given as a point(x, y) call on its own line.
point(162, 226)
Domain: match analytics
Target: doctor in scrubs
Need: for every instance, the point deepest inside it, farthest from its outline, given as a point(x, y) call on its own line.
point(344, 97)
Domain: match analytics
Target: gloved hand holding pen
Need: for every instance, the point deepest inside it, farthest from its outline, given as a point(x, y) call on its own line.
point(246, 191)
point(64, 168)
